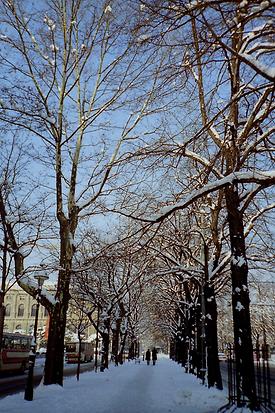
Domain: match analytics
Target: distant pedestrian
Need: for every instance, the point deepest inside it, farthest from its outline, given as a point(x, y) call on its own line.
point(154, 355)
point(148, 356)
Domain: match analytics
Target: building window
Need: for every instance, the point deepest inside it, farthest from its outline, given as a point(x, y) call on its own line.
point(20, 312)
point(33, 310)
point(22, 298)
point(8, 310)
point(46, 313)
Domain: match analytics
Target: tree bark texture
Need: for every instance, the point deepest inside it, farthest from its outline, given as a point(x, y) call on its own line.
point(2, 318)
point(55, 347)
point(211, 331)
point(245, 375)
point(104, 351)
point(115, 341)
point(122, 347)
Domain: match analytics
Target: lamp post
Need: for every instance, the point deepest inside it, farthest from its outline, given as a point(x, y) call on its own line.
point(29, 385)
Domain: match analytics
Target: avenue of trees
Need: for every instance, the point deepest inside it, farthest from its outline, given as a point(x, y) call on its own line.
point(158, 117)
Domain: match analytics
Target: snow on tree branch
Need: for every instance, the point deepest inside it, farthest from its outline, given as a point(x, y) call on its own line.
point(265, 178)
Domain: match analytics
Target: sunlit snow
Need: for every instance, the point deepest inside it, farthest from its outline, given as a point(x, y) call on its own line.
point(130, 388)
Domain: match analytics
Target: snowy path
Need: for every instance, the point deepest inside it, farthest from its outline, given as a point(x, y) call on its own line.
point(163, 388)
point(131, 388)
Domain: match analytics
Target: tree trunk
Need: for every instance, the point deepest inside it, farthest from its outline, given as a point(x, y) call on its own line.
point(122, 346)
point(104, 351)
point(172, 352)
point(105, 334)
point(2, 317)
point(199, 348)
point(55, 347)
point(115, 342)
point(2, 291)
point(211, 331)
point(245, 375)
point(131, 352)
point(97, 340)
point(78, 359)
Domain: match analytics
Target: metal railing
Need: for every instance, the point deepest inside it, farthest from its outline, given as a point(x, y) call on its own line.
point(262, 379)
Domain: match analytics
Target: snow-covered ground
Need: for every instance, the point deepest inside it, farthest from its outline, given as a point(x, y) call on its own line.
point(130, 388)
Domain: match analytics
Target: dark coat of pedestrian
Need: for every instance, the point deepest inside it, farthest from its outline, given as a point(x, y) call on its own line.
point(148, 356)
point(154, 355)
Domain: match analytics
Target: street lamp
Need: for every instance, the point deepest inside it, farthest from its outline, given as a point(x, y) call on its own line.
point(29, 385)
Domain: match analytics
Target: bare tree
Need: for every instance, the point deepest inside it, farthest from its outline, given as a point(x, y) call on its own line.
point(73, 64)
point(112, 283)
point(227, 62)
point(23, 220)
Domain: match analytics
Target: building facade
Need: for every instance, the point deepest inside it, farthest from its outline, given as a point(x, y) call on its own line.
point(20, 317)
point(20, 313)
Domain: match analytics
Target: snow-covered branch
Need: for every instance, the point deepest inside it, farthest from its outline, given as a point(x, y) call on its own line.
point(265, 178)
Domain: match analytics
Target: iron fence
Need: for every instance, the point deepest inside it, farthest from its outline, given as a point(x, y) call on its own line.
point(236, 397)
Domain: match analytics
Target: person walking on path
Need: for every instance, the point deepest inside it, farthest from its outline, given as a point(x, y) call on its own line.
point(148, 356)
point(154, 355)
